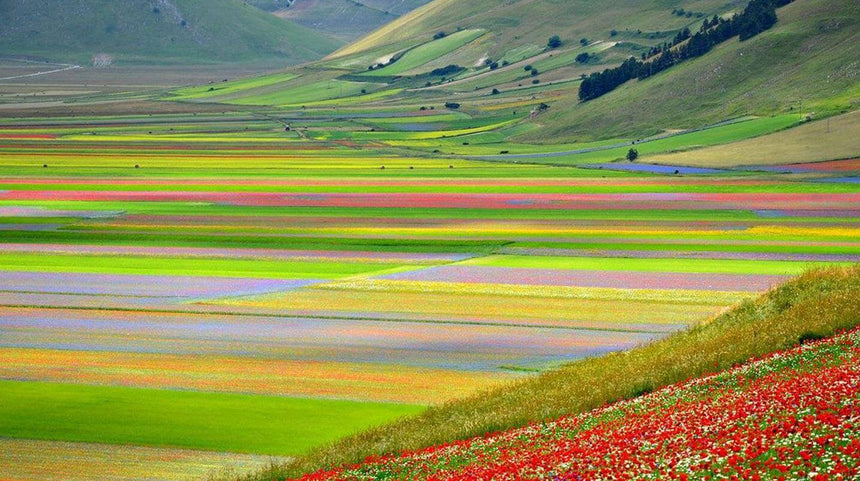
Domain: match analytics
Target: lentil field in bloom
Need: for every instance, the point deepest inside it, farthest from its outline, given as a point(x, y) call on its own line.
point(165, 279)
point(790, 415)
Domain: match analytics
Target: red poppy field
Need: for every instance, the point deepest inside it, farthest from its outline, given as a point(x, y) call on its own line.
point(791, 415)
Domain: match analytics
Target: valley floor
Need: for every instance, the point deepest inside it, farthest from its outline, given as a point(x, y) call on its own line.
point(170, 281)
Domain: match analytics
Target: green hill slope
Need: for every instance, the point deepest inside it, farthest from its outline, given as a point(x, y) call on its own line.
point(345, 19)
point(175, 31)
point(519, 23)
point(815, 305)
point(808, 59)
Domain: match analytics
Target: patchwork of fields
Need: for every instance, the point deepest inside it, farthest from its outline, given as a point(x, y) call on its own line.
point(165, 279)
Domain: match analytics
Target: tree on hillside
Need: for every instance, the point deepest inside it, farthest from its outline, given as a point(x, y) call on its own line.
point(554, 42)
point(632, 155)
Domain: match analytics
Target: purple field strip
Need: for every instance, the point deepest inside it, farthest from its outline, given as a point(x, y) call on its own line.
point(158, 305)
point(659, 169)
point(587, 278)
point(451, 346)
point(840, 180)
point(143, 285)
point(832, 213)
point(15, 211)
point(233, 253)
point(670, 254)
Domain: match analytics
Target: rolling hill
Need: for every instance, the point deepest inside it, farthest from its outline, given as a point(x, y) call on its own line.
point(154, 31)
point(519, 23)
point(492, 64)
point(800, 60)
point(808, 60)
point(482, 53)
point(343, 19)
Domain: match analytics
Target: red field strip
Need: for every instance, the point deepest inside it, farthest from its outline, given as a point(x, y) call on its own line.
point(646, 201)
point(629, 182)
point(848, 165)
point(28, 137)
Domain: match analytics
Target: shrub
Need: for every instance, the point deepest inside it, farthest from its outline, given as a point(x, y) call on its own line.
point(632, 155)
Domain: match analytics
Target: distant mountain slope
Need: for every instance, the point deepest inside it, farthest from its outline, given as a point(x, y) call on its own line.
point(520, 22)
point(343, 19)
point(809, 60)
point(154, 31)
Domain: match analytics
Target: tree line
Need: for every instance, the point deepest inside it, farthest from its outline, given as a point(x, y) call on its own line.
point(758, 16)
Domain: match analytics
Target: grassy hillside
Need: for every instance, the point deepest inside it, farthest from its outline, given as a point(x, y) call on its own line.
point(532, 22)
point(809, 57)
point(344, 19)
point(830, 138)
point(494, 59)
point(728, 425)
point(162, 31)
point(816, 304)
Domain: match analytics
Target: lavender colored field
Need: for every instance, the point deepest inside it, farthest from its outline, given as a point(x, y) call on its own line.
point(670, 254)
point(586, 278)
point(238, 253)
point(659, 169)
point(182, 287)
point(463, 347)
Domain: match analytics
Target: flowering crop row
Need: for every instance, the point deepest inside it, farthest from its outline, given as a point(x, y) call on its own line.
point(791, 415)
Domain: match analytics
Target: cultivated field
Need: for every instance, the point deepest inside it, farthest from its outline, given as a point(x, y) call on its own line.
point(171, 281)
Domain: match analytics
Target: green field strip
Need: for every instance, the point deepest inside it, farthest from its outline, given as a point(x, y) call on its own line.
point(224, 88)
point(179, 266)
point(427, 52)
point(703, 266)
point(304, 94)
point(197, 420)
point(722, 134)
point(272, 242)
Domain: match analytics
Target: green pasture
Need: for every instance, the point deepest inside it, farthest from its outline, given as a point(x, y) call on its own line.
point(548, 63)
point(390, 243)
point(154, 239)
point(309, 93)
point(424, 53)
point(703, 266)
point(214, 267)
point(721, 134)
point(198, 420)
point(236, 86)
